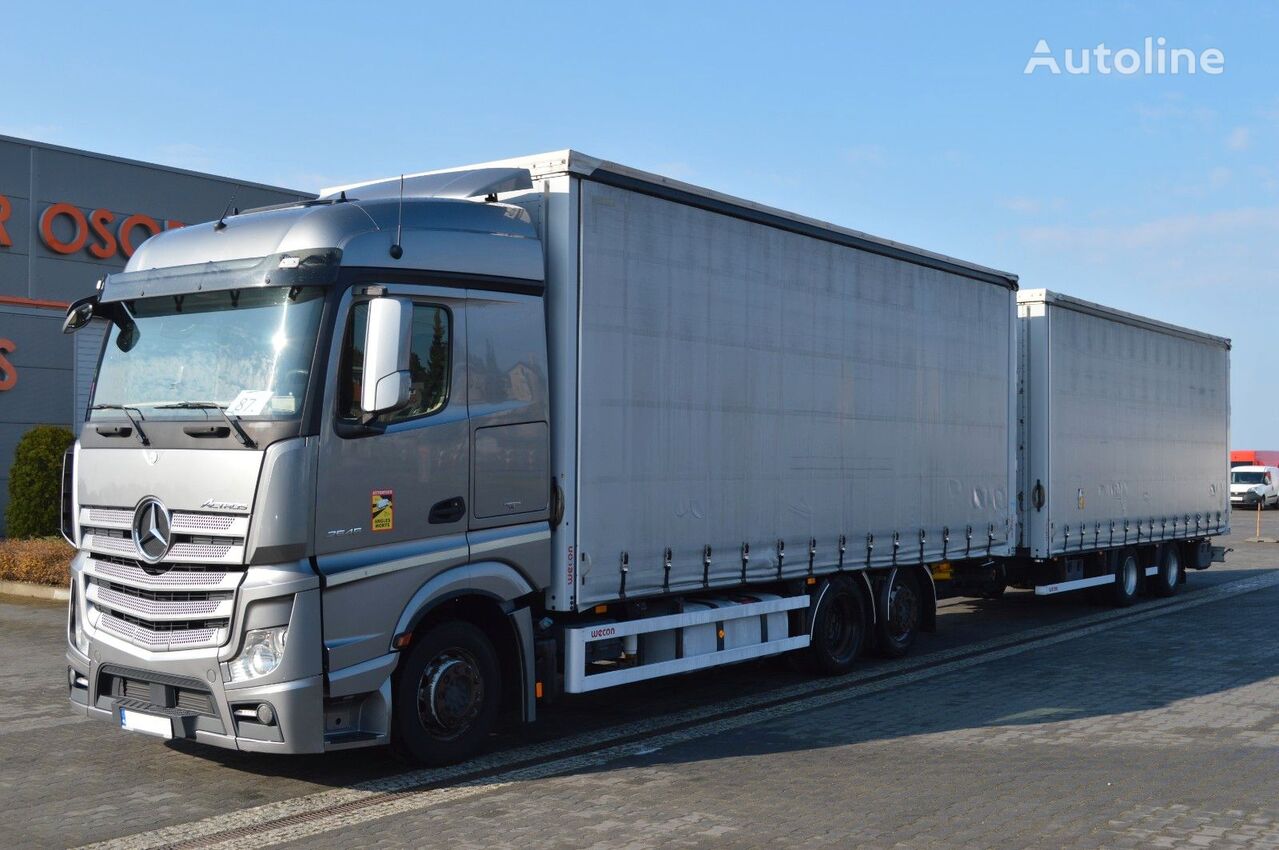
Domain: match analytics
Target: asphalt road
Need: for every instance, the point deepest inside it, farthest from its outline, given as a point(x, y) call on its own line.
point(1021, 722)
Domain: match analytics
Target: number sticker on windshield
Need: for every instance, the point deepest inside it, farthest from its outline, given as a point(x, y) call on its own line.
point(249, 402)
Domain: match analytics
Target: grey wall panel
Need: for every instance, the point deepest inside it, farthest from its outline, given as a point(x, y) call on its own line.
point(744, 384)
point(15, 168)
point(13, 275)
point(1132, 427)
point(89, 181)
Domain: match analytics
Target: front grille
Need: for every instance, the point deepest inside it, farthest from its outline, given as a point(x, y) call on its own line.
point(161, 636)
point(110, 516)
point(160, 603)
point(202, 522)
point(185, 602)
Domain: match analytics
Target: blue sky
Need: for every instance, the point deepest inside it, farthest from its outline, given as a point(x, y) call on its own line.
point(1156, 194)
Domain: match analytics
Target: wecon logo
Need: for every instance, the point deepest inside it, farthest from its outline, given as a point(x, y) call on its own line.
point(1155, 57)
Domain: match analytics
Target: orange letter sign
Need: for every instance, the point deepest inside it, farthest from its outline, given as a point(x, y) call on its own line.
point(78, 237)
point(106, 246)
point(6, 210)
point(8, 374)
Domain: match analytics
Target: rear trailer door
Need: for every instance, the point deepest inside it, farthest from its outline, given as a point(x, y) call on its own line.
point(749, 397)
point(1127, 422)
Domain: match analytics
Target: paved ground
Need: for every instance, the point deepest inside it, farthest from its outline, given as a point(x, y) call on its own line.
point(1022, 723)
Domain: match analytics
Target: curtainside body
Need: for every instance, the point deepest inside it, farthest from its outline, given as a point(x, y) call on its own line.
point(756, 402)
point(1123, 461)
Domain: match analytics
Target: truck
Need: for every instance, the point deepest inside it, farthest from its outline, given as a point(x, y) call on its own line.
point(1253, 457)
point(428, 452)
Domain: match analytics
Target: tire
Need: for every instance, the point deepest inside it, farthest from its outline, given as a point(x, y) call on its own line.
point(447, 695)
point(1127, 580)
point(839, 629)
point(1168, 579)
point(898, 625)
point(994, 592)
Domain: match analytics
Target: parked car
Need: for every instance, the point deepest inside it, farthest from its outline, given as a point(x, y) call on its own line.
point(1253, 485)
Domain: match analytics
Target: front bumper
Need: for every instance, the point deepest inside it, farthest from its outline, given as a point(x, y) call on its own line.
point(196, 709)
point(188, 693)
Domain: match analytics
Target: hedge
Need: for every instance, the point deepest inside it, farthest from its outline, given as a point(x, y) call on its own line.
point(45, 561)
point(35, 483)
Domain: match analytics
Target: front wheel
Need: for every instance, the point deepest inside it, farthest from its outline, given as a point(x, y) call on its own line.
point(449, 689)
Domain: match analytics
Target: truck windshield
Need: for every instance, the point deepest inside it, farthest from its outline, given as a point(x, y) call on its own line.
point(1248, 478)
point(249, 351)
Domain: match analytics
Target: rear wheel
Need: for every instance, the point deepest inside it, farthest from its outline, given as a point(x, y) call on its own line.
point(839, 629)
point(448, 693)
point(1127, 580)
point(1168, 579)
point(899, 625)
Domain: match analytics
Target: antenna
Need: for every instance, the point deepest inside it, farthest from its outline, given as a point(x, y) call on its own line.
point(397, 250)
point(222, 218)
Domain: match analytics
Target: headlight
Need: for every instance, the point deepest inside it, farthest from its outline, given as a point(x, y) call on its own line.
point(263, 651)
point(77, 627)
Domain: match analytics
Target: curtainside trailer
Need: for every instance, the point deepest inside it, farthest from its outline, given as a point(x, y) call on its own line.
point(379, 467)
point(1123, 474)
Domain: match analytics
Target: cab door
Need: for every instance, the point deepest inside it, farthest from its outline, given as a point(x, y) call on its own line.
point(391, 494)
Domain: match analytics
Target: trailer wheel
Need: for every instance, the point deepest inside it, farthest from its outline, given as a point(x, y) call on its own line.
point(448, 694)
point(903, 610)
point(1127, 580)
point(1168, 579)
point(839, 629)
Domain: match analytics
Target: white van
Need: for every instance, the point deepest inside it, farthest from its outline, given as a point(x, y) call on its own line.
point(1251, 486)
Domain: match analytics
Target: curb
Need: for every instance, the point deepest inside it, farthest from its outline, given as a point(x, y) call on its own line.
point(34, 591)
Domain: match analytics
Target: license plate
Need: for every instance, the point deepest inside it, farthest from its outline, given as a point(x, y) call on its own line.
point(147, 724)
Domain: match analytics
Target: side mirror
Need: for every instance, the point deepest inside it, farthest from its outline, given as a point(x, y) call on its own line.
point(79, 314)
point(387, 334)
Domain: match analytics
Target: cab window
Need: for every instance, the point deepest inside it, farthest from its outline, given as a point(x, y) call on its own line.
point(430, 364)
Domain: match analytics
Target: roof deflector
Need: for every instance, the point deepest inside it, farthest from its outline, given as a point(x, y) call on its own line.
point(473, 183)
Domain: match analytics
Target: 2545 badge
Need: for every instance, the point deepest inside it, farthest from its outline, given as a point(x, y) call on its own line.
point(382, 512)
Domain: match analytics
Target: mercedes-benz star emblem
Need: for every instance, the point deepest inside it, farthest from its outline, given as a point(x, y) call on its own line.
point(151, 530)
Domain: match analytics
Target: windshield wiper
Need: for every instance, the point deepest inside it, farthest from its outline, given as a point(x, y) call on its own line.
point(241, 435)
point(128, 410)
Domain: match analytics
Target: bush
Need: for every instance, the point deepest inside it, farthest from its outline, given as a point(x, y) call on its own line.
point(35, 483)
point(45, 561)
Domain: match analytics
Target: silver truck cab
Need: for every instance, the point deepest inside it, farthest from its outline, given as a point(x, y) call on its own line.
point(256, 546)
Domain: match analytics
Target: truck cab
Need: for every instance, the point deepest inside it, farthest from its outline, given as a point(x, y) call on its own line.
point(1254, 487)
point(312, 429)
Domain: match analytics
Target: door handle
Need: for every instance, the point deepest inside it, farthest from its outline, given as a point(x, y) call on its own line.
point(449, 510)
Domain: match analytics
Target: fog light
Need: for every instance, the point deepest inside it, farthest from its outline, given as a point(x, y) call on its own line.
point(263, 651)
point(266, 715)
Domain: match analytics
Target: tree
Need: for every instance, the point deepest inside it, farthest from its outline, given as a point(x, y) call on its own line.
point(35, 482)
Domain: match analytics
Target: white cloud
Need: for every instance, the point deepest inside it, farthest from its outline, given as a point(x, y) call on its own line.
point(1240, 139)
point(1189, 251)
point(1173, 107)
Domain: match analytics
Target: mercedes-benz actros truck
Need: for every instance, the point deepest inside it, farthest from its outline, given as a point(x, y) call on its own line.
point(384, 466)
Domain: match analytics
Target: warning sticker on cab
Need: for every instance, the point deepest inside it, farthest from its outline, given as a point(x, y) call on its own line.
point(383, 510)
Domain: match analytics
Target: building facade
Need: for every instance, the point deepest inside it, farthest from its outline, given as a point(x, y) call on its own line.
point(67, 217)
